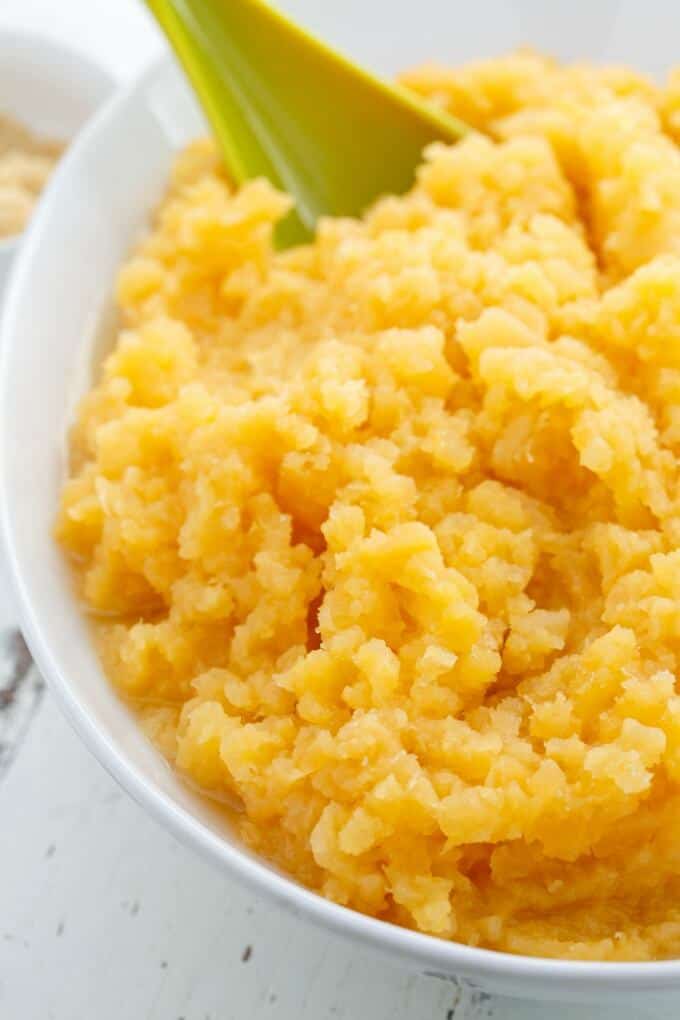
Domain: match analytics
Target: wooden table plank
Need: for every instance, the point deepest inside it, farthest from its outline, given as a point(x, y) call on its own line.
point(21, 691)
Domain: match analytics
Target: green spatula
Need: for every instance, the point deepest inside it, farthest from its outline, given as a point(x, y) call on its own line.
point(284, 106)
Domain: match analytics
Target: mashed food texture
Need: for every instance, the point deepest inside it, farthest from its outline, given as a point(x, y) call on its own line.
point(383, 533)
point(26, 163)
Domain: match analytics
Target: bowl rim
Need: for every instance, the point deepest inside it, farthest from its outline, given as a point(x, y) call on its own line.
point(47, 46)
point(432, 955)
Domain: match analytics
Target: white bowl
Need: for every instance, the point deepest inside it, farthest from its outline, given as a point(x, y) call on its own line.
point(59, 297)
point(50, 89)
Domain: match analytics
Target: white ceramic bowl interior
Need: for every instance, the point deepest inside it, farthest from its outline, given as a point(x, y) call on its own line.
point(50, 89)
point(56, 313)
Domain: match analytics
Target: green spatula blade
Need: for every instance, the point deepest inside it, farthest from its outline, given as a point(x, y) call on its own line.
point(284, 106)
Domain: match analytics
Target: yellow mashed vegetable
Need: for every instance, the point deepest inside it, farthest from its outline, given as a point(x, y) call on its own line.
point(383, 533)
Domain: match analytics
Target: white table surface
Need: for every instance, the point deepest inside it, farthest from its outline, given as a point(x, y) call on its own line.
point(102, 914)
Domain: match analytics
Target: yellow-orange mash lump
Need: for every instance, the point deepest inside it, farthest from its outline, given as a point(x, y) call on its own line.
point(383, 532)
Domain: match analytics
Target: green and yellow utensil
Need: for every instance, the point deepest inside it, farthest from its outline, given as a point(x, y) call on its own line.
point(284, 106)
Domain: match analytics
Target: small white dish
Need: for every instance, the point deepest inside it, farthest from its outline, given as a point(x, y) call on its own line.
point(50, 89)
point(98, 204)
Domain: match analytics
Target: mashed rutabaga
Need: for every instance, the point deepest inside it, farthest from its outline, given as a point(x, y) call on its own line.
point(26, 163)
point(383, 533)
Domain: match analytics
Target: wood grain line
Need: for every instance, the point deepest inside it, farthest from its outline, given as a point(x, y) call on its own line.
point(21, 691)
